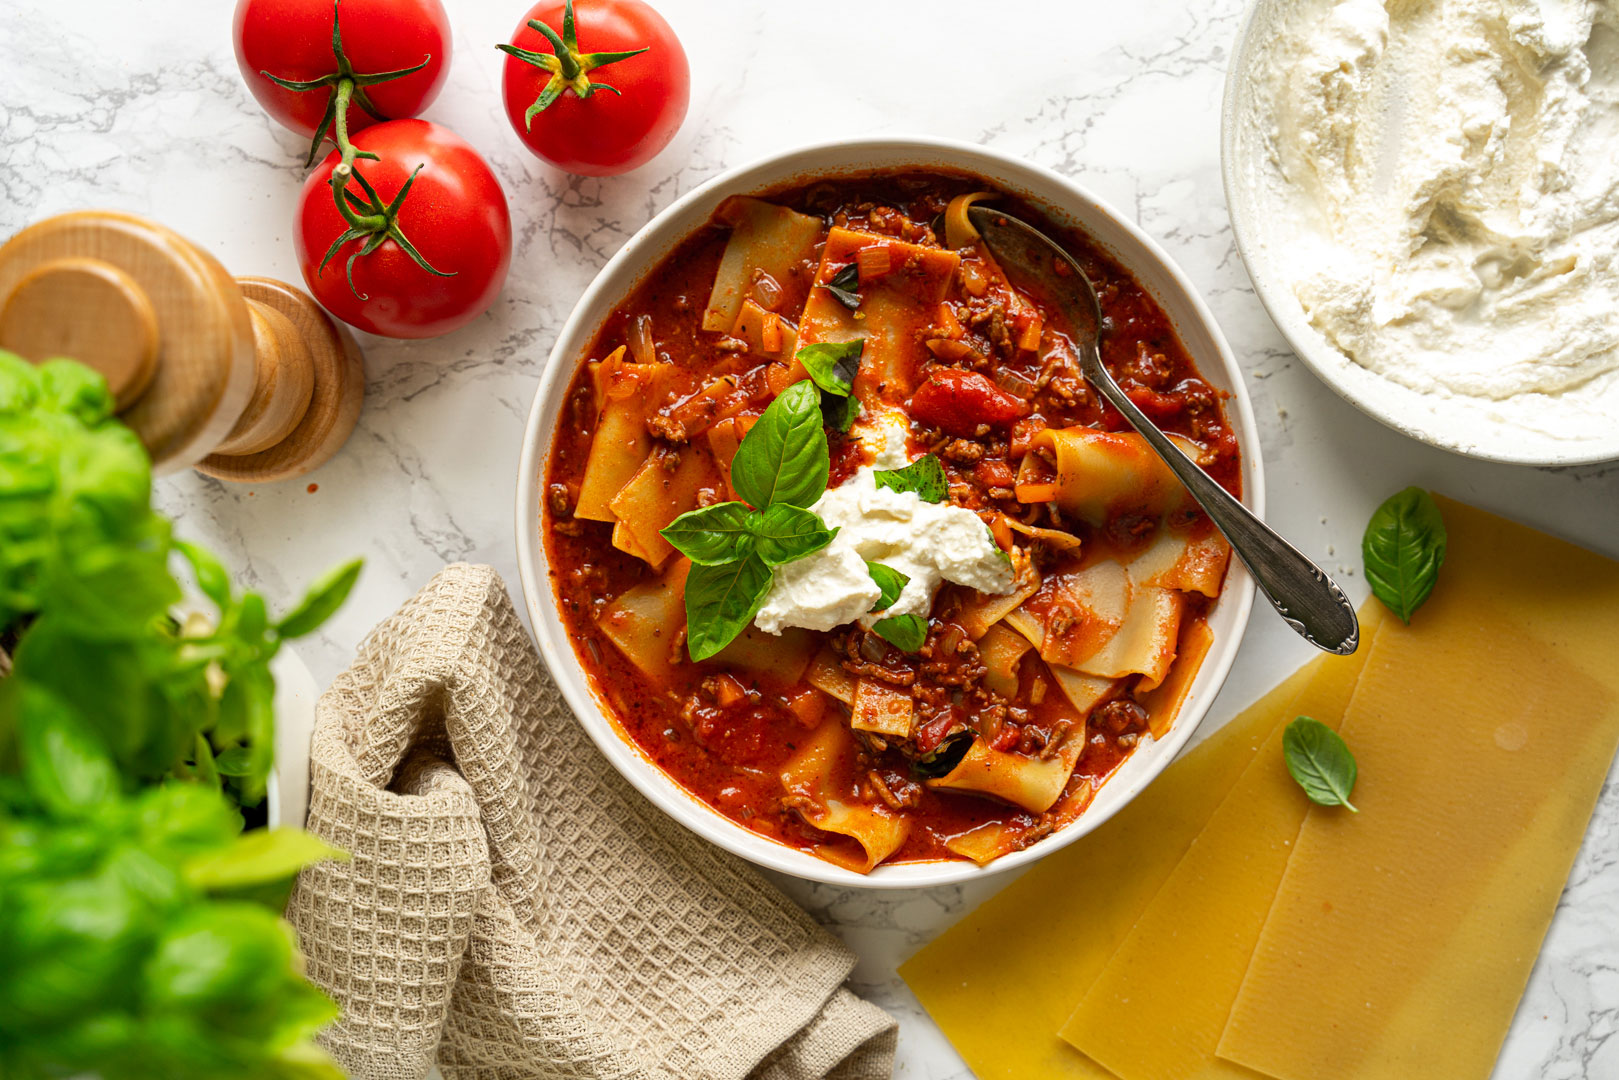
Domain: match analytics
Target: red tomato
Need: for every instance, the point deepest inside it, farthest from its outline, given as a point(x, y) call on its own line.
point(958, 401)
point(454, 215)
point(587, 128)
point(292, 40)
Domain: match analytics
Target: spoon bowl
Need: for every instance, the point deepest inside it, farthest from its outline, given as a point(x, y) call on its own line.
point(1300, 591)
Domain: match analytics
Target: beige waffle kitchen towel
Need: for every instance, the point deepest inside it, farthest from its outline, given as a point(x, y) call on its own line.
point(513, 908)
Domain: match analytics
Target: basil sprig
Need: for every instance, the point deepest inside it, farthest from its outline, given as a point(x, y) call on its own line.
point(845, 285)
point(890, 581)
point(833, 366)
point(1320, 761)
point(925, 476)
point(1403, 548)
point(781, 467)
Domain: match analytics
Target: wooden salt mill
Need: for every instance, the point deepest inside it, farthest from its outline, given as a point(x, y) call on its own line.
point(245, 379)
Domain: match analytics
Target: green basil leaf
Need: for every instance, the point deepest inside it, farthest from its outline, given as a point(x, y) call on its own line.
point(925, 476)
point(839, 412)
point(889, 580)
point(321, 602)
point(1006, 556)
point(833, 364)
point(905, 632)
point(212, 577)
point(237, 761)
point(785, 533)
point(721, 601)
point(1403, 548)
point(784, 457)
point(65, 764)
point(711, 536)
point(845, 285)
point(1320, 761)
point(943, 759)
point(257, 857)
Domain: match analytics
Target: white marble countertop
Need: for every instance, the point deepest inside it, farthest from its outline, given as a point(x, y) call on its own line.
point(137, 104)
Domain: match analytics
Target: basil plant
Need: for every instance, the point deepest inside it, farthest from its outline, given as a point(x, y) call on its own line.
point(139, 924)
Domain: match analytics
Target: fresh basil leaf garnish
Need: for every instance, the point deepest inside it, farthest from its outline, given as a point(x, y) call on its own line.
point(784, 457)
point(721, 601)
point(925, 476)
point(713, 535)
point(904, 632)
point(786, 533)
point(781, 467)
point(845, 285)
point(1403, 548)
point(839, 412)
point(1320, 761)
point(1006, 556)
point(943, 759)
point(833, 364)
point(890, 581)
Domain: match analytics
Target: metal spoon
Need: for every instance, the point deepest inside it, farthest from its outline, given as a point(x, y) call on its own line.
point(1301, 593)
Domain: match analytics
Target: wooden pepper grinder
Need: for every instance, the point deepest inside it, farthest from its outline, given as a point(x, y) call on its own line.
point(245, 379)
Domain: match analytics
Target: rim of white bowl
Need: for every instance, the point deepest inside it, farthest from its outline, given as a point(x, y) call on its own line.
point(642, 251)
point(1385, 401)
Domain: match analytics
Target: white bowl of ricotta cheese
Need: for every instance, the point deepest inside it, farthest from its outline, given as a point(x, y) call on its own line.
point(1426, 199)
point(1064, 202)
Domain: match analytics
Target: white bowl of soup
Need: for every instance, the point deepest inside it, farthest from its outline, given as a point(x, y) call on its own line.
point(831, 549)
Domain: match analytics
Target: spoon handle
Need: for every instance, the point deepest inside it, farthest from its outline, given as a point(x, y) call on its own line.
point(1302, 594)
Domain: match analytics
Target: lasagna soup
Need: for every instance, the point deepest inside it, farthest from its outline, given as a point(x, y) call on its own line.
point(847, 546)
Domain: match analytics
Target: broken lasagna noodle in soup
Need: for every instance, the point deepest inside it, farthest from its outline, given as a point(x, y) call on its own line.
point(956, 671)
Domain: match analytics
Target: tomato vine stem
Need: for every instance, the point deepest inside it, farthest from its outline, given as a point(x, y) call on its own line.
point(368, 219)
point(570, 69)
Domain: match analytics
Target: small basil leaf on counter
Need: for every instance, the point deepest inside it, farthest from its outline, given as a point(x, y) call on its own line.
point(925, 476)
point(721, 601)
point(784, 457)
point(1320, 761)
point(943, 759)
point(904, 632)
point(889, 580)
point(1403, 548)
point(845, 285)
point(712, 535)
point(833, 364)
point(785, 533)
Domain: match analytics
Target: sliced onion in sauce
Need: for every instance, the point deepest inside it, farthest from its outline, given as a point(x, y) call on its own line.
point(640, 340)
point(1014, 383)
point(873, 648)
point(766, 291)
point(958, 230)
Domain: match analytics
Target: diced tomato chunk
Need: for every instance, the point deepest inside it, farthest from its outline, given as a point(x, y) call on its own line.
point(931, 734)
point(1156, 405)
point(995, 473)
point(957, 402)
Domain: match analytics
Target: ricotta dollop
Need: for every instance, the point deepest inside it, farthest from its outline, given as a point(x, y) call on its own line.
point(930, 543)
point(1457, 202)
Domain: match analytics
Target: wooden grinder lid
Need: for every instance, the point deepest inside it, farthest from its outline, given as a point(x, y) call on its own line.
point(248, 380)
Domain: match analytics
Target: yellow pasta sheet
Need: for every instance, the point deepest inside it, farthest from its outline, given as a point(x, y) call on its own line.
point(1157, 1009)
point(1401, 937)
point(1002, 981)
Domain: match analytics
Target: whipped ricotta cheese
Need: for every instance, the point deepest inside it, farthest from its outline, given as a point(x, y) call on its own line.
point(1456, 198)
point(930, 543)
